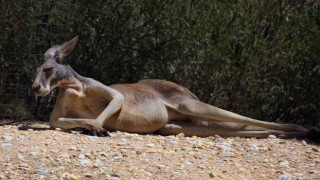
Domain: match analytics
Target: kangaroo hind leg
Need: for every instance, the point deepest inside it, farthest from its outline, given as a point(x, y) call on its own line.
point(198, 109)
point(205, 131)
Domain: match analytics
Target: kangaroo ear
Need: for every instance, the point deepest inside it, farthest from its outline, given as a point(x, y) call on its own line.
point(65, 49)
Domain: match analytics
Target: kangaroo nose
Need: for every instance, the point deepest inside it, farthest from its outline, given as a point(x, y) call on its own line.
point(36, 88)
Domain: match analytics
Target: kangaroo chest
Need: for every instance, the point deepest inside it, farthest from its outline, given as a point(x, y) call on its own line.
point(84, 104)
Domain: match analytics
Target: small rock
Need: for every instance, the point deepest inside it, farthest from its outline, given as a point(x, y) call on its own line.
point(315, 149)
point(41, 171)
point(202, 166)
point(228, 154)
point(303, 142)
point(7, 158)
point(150, 145)
point(20, 157)
point(169, 141)
point(212, 175)
point(81, 156)
point(113, 176)
point(217, 139)
point(265, 160)
point(284, 164)
point(68, 176)
point(90, 138)
point(87, 175)
point(2, 177)
point(271, 136)
point(292, 148)
point(226, 148)
point(113, 135)
point(7, 138)
point(76, 132)
point(137, 148)
point(35, 153)
point(116, 154)
point(98, 163)
point(312, 171)
point(198, 145)
point(225, 144)
point(160, 166)
point(54, 151)
point(23, 165)
point(104, 154)
point(285, 177)
point(84, 162)
point(188, 163)
point(89, 155)
point(74, 148)
point(6, 144)
point(254, 148)
point(64, 156)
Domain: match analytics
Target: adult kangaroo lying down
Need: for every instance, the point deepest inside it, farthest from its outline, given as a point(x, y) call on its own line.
point(144, 107)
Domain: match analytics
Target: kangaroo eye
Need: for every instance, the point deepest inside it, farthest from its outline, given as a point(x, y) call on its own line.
point(48, 69)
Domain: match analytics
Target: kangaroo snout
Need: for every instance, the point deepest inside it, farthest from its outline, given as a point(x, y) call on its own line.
point(36, 88)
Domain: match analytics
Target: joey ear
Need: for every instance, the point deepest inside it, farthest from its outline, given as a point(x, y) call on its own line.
point(65, 49)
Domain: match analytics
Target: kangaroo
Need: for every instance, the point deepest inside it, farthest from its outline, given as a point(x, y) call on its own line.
point(148, 106)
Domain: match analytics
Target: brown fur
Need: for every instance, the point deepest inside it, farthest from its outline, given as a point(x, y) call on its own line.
point(144, 107)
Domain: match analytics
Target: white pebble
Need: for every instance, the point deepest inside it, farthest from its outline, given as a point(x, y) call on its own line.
point(285, 177)
point(6, 144)
point(254, 148)
point(228, 154)
point(7, 138)
point(84, 162)
point(271, 136)
point(81, 156)
point(20, 157)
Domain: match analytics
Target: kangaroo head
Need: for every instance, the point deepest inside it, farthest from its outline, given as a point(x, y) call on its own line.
point(55, 68)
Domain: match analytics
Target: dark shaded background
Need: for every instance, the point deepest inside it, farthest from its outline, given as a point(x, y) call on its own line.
point(256, 58)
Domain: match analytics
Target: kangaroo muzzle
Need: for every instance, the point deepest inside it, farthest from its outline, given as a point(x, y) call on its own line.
point(36, 88)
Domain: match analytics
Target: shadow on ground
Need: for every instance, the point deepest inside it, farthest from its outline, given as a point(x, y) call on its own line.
point(37, 125)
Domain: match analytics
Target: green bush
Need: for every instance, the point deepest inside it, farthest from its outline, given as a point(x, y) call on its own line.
point(256, 58)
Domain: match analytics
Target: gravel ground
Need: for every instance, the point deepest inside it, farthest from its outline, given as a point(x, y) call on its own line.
point(32, 151)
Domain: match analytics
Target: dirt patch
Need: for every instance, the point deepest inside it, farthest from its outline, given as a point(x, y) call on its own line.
point(33, 151)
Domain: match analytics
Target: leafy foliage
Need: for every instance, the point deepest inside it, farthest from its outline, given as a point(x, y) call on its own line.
point(256, 58)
